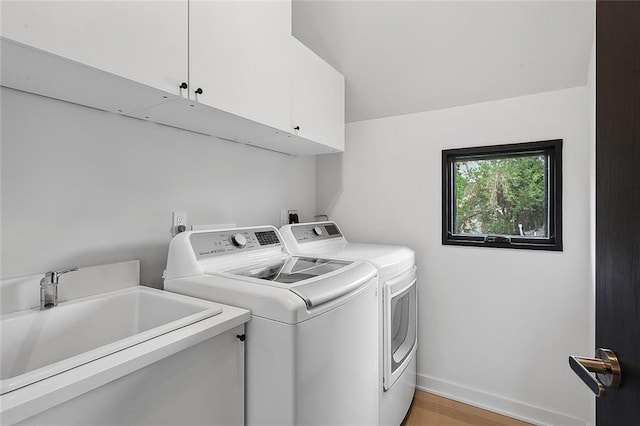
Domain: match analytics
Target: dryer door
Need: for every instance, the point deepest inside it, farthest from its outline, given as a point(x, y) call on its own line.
point(400, 320)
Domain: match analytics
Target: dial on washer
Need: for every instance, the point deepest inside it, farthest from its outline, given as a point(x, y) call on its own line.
point(317, 230)
point(239, 240)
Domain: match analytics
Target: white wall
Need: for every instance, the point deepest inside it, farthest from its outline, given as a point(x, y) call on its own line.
point(495, 325)
point(83, 187)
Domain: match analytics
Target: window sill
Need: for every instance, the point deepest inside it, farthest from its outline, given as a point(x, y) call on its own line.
point(513, 244)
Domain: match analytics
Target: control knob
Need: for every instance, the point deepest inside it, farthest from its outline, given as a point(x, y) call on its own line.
point(317, 230)
point(239, 240)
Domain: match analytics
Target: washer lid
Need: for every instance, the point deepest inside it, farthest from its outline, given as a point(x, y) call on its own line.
point(301, 276)
point(320, 291)
point(290, 270)
point(390, 260)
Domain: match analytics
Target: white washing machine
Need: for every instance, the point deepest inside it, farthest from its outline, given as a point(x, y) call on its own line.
point(312, 332)
point(398, 306)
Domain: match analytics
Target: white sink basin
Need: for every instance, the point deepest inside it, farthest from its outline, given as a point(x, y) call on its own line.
point(38, 344)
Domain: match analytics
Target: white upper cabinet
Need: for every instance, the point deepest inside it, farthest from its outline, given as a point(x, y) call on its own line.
point(144, 41)
point(244, 78)
point(317, 98)
point(240, 57)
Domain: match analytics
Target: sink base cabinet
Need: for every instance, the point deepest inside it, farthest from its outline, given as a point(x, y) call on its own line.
point(203, 384)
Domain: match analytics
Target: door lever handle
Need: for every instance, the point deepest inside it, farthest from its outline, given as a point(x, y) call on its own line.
point(606, 367)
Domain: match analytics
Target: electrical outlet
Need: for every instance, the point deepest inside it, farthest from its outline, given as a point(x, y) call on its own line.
point(179, 223)
point(292, 216)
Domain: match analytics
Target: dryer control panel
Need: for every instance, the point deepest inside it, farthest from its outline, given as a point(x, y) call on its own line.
point(304, 233)
point(217, 243)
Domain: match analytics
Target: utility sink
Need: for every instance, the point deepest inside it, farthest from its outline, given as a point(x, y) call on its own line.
point(37, 344)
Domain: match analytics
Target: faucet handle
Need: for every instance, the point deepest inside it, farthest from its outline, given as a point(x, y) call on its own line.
point(51, 277)
point(58, 273)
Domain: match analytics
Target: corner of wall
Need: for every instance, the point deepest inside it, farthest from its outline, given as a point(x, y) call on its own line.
point(328, 182)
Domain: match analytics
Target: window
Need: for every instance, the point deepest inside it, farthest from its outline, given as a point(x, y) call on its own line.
point(503, 196)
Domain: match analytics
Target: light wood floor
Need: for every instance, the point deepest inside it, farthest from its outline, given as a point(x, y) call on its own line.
point(431, 410)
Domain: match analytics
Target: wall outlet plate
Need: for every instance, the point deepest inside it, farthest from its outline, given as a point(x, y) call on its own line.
point(285, 216)
point(293, 216)
point(178, 222)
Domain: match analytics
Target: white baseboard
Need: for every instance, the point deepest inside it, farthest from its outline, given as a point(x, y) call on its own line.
point(497, 404)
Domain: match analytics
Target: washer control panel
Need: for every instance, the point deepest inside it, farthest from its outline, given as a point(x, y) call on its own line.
point(217, 243)
point(305, 233)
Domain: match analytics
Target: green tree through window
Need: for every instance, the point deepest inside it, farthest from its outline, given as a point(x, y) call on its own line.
point(503, 196)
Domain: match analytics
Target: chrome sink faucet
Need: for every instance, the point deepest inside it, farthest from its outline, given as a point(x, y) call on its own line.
point(49, 288)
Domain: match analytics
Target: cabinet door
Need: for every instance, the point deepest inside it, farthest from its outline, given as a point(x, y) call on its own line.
point(318, 98)
point(145, 41)
point(240, 56)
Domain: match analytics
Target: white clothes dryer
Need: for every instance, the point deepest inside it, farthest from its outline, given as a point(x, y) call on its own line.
point(397, 308)
point(312, 332)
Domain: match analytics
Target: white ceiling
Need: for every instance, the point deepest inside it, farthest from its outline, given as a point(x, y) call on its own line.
point(400, 57)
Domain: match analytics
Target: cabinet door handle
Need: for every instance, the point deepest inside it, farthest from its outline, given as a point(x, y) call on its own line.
point(184, 85)
point(199, 91)
point(296, 128)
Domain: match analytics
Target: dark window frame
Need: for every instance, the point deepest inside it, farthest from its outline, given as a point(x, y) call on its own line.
point(552, 148)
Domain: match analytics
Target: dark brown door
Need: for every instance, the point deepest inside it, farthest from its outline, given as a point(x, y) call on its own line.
point(618, 203)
